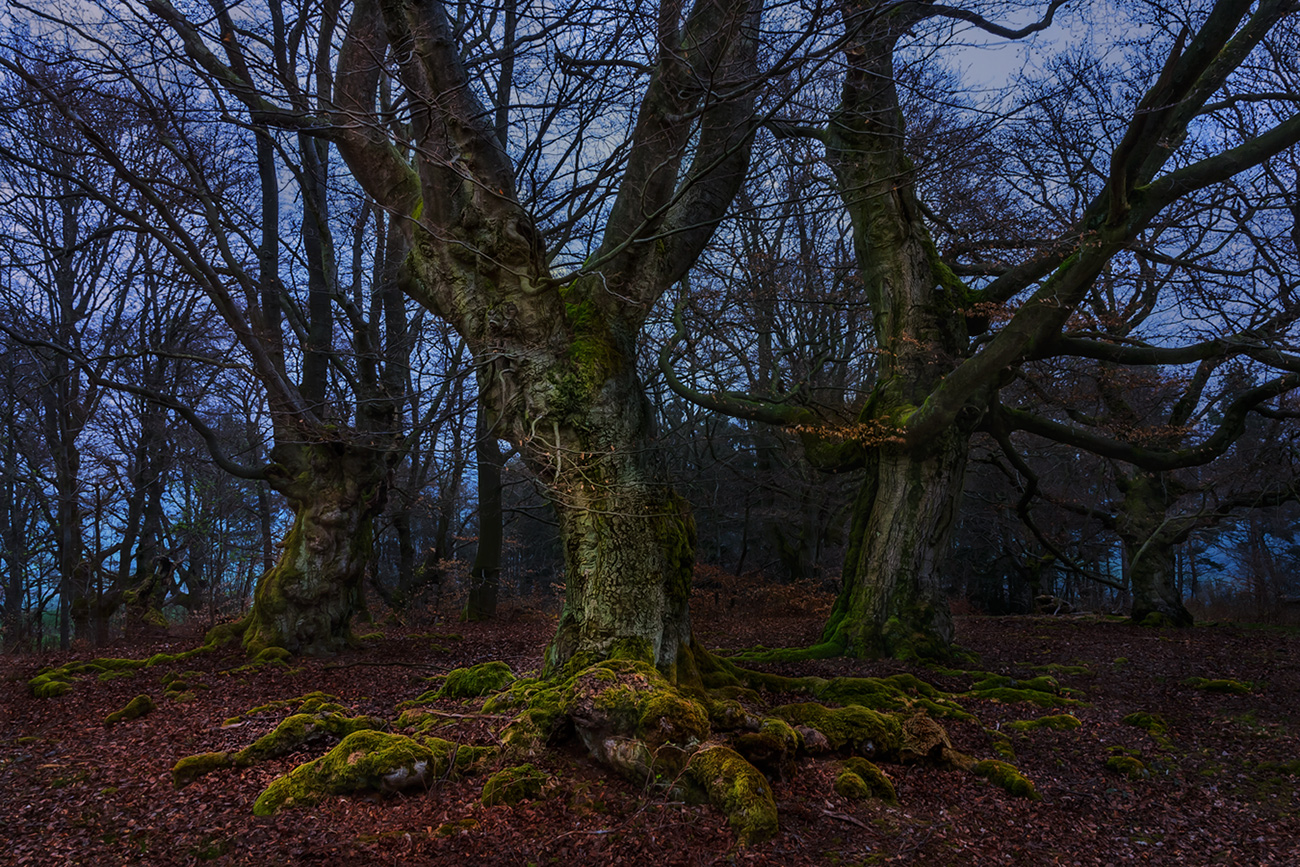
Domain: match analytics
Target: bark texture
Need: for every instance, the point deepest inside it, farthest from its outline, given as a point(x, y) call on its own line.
point(305, 603)
point(1149, 535)
point(890, 602)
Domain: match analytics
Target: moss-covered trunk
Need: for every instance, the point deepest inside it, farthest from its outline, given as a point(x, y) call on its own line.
point(892, 602)
point(628, 539)
point(1149, 535)
point(629, 549)
point(335, 487)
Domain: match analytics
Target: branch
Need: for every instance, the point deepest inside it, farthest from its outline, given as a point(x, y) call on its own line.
point(1154, 460)
point(209, 436)
point(996, 29)
point(262, 110)
point(730, 403)
point(1028, 492)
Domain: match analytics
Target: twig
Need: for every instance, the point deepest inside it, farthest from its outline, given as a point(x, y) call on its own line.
point(846, 818)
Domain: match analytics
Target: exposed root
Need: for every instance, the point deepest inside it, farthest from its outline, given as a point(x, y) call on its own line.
point(707, 737)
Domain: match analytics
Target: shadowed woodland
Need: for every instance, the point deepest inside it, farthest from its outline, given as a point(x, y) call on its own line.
point(763, 431)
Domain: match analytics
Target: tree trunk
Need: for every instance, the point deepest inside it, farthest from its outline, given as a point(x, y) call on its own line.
point(628, 539)
point(335, 487)
point(485, 574)
point(892, 602)
point(1149, 537)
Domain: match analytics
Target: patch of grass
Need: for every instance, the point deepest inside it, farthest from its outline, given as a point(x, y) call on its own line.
point(1058, 723)
point(1153, 724)
point(1220, 686)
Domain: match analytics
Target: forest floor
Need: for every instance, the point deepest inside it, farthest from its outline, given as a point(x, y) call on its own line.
point(1223, 788)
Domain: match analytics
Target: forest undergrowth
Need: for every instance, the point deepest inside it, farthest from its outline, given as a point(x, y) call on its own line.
point(1142, 745)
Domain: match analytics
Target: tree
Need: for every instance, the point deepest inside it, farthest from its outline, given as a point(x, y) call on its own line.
point(555, 351)
point(332, 410)
point(939, 373)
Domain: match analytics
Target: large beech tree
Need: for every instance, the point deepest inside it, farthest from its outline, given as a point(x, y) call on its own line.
point(939, 372)
point(555, 352)
point(935, 386)
point(331, 399)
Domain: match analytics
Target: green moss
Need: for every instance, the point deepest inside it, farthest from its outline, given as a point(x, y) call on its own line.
point(1156, 620)
point(736, 788)
point(509, 786)
point(1151, 723)
point(727, 714)
point(900, 641)
point(667, 716)
point(272, 654)
point(1128, 766)
point(190, 768)
point(772, 748)
point(1006, 776)
point(299, 729)
point(49, 684)
point(134, 709)
point(1012, 695)
point(860, 779)
point(1058, 723)
point(1001, 745)
point(898, 692)
point(114, 664)
point(368, 761)
point(312, 702)
point(454, 827)
point(1219, 686)
point(477, 680)
point(114, 675)
point(419, 721)
point(857, 728)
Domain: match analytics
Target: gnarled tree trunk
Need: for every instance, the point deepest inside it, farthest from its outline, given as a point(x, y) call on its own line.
point(1149, 535)
point(335, 486)
point(891, 602)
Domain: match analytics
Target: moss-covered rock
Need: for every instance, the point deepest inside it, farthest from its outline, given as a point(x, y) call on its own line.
point(1151, 723)
point(771, 749)
point(628, 715)
point(368, 761)
point(477, 680)
point(896, 692)
point(865, 732)
point(49, 684)
point(1004, 775)
point(1220, 686)
point(1128, 765)
point(1012, 695)
point(860, 779)
point(134, 709)
point(738, 789)
point(271, 654)
point(1058, 723)
point(301, 729)
point(312, 702)
point(509, 786)
point(191, 768)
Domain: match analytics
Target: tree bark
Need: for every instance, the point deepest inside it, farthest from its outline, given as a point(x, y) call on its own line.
point(336, 487)
point(1149, 537)
point(891, 602)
